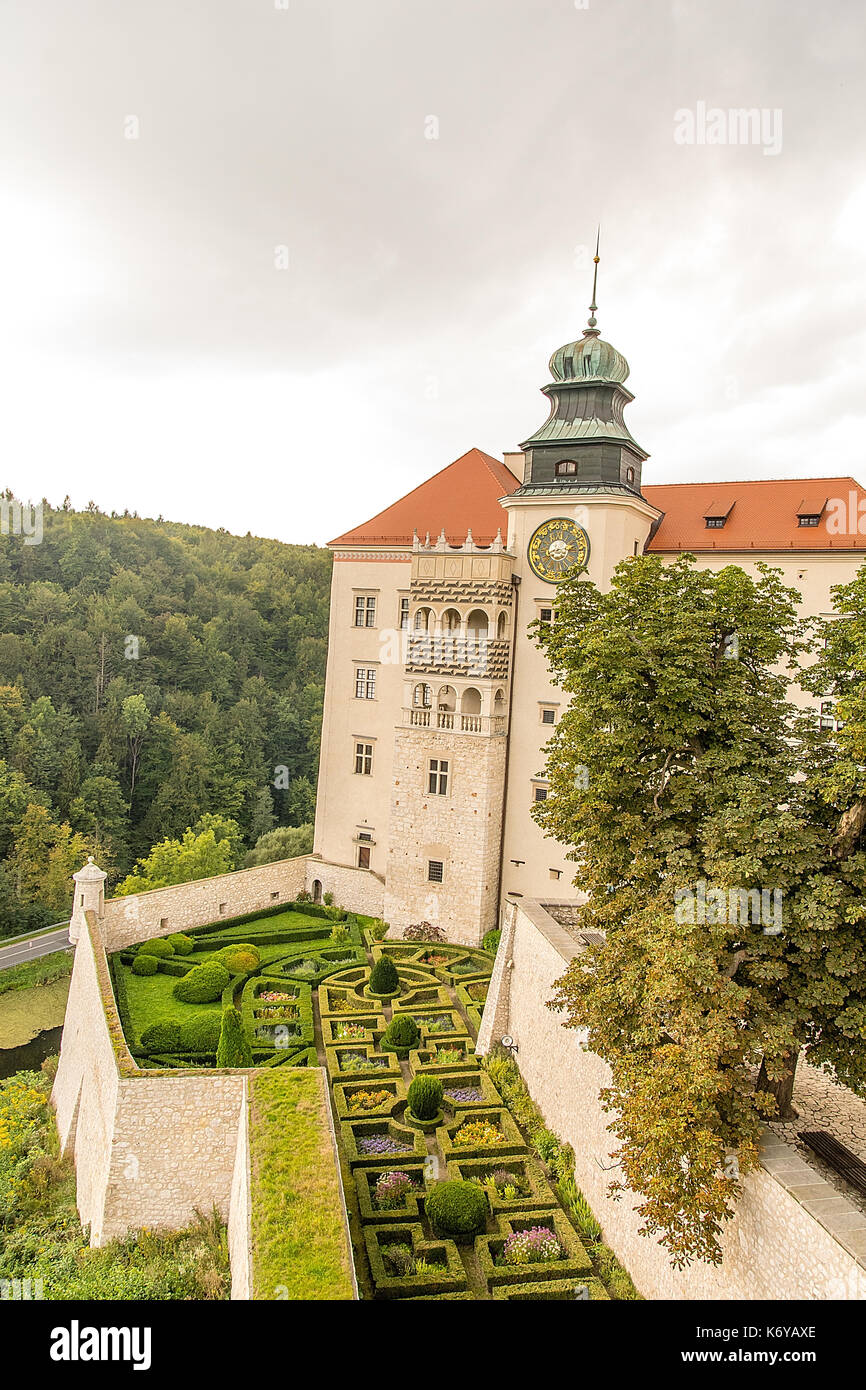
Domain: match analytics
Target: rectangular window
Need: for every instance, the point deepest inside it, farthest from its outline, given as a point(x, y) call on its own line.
point(540, 794)
point(548, 716)
point(437, 777)
point(435, 870)
point(365, 683)
point(547, 615)
point(364, 759)
point(827, 719)
point(715, 522)
point(808, 520)
point(363, 856)
point(365, 610)
point(404, 614)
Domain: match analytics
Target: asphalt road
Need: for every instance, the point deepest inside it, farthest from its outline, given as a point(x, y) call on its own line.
point(36, 946)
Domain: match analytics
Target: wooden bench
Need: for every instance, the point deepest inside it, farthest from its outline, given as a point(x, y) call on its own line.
point(837, 1157)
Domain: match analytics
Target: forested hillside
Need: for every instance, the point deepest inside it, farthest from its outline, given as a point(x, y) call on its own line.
point(150, 673)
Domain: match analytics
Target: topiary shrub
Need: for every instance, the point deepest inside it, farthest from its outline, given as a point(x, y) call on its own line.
point(401, 1035)
point(425, 1097)
point(491, 940)
point(383, 977)
point(200, 1034)
point(456, 1208)
point(203, 984)
point(233, 1048)
point(157, 947)
point(183, 945)
point(424, 931)
point(145, 965)
point(239, 959)
point(161, 1037)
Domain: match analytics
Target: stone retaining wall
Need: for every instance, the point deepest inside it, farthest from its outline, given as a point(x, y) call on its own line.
point(792, 1237)
point(359, 890)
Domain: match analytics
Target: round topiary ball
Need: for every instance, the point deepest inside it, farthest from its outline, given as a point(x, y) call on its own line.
point(383, 977)
point(456, 1208)
point(425, 1097)
point(183, 945)
point(145, 965)
point(240, 959)
point(401, 1034)
point(203, 984)
point(157, 947)
point(161, 1037)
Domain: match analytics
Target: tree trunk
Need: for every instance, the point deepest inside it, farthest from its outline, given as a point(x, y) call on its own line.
point(781, 1090)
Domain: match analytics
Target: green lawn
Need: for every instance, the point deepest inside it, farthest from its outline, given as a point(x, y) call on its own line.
point(151, 1000)
point(299, 1241)
point(40, 971)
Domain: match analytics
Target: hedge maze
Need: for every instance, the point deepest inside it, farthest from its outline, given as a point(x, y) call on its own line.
point(448, 1202)
point(495, 1229)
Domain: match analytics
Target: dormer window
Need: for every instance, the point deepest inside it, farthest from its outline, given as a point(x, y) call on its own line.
point(566, 468)
point(715, 522)
point(629, 475)
point(717, 514)
point(808, 519)
point(810, 510)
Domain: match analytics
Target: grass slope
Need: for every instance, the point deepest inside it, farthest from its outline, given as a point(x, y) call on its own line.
point(299, 1243)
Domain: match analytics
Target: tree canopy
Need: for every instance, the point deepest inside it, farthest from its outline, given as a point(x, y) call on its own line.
point(697, 802)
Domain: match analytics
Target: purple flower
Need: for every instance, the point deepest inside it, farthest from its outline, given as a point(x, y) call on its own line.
point(465, 1095)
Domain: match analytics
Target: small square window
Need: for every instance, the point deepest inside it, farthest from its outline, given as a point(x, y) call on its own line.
point(223, 909)
point(435, 870)
point(547, 615)
point(163, 923)
point(274, 897)
point(539, 794)
point(548, 716)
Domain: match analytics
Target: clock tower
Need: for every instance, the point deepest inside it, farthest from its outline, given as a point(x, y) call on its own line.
point(580, 504)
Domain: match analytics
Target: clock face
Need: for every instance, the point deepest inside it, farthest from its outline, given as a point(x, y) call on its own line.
point(557, 546)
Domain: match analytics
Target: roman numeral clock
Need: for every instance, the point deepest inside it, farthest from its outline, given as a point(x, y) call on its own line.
point(556, 546)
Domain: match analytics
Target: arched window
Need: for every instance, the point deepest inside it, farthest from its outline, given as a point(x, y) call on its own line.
point(502, 627)
point(422, 619)
point(447, 699)
point(470, 702)
point(476, 624)
point(629, 475)
point(566, 468)
point(422, 697)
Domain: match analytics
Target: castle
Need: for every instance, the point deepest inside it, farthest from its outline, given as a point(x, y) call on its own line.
point(438, 701)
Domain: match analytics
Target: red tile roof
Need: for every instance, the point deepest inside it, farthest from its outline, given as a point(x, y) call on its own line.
point(463, 495)
point(760, 515)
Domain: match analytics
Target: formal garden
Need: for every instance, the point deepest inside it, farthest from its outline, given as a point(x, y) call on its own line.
point(454, 1186)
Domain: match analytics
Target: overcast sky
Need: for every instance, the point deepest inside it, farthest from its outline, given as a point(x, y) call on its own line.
point(155, 355)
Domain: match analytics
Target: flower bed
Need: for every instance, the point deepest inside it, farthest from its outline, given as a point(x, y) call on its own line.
point(405, 1265)
point(476, 1133)
point(520, 1184)
point(533, 1245)
point(357, 1098)
point(371, 1199)
point(371, 1141)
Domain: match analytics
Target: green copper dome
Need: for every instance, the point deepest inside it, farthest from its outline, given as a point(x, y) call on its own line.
point(589, 359)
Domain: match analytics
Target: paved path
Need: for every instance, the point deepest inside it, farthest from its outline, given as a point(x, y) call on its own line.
point(33, 947)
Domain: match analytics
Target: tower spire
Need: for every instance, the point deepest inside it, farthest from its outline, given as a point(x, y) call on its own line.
point(591, 325)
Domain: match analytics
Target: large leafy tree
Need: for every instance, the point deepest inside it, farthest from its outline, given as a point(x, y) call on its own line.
point(686, 786)
point(197, 854)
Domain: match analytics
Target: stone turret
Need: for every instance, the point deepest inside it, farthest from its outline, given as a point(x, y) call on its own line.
point(89, 896)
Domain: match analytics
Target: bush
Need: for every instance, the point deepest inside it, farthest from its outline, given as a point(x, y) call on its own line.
point(378, 929)
point(456, 1208)
point(327, 899)
point(425, 1097)
point(183, 945)
point(240, 958)
point(145, 965)
point(161, 1037)
point(200, 1034)
point(424, 931)
point(383, 977)
point(491, 940)
point(157, 947)
point(233, 1048)
point(203, 984)
point(401, 1034)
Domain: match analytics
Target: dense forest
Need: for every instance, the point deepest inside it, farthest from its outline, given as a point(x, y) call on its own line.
point(154, 678)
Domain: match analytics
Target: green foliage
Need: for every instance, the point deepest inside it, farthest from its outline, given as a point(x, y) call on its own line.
point(145, 964)
point(240, 959)
point(383, 977)
point(378, 929)
point(491, 940)
point(200, 1034)
point(161, 1037)
point(182, 945)
point(425, 1097)
point(192, 857)
point(157, 947)
point(202, 984)
point(456, 1208)
point(233, 1048)
point(286, 842)
point(41, 971)
point(400, 1035)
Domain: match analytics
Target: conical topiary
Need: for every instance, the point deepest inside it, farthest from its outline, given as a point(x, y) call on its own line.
point(425, 1097)
point(401, 1035)
point(233, 1048)
point(383, 977)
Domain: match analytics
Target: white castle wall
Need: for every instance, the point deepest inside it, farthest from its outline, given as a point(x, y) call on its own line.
point(793, 1235)
point(359, 890)
point(185, 905)
point(240, 1209)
